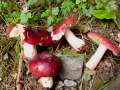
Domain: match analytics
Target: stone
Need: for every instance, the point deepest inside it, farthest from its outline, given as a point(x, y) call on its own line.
point(6, 57)
point(70, 83)
point(71, 67)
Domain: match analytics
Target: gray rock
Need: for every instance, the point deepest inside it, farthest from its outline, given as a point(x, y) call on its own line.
point(71, 67)
point(70, 83)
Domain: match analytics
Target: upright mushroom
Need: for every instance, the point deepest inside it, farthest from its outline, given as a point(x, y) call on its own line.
point(31, 38)
point(45, 66)
point(104, 44)
point(64, 29)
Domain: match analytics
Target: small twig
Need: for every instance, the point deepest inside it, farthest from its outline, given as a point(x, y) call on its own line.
point(81, 84)
point(19, 81)
point(19, 74)
point(91, 83)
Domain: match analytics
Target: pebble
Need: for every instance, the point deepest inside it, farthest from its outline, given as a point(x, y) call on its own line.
point(70, 83)
point(6, 56)
point(0, 79)
point(71, 67)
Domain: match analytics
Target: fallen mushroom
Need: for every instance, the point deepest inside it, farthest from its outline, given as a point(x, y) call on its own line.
point(104, 44)
point(45, 66)
point(31, 38)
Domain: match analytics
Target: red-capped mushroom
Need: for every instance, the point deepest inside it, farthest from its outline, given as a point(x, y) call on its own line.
point(36, 37)
point(104, 44)
point(46, 66)
point(63, 29)
point(59, 30)
point(31, 38)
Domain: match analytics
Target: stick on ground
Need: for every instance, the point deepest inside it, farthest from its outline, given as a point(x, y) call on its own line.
point(19, 81)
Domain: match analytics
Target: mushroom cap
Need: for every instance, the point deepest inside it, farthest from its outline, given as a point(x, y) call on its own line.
point(10, 28)
point(45, 65)
point(98, 38)
point(38, 37)
point(59, 29)
point(15, 30)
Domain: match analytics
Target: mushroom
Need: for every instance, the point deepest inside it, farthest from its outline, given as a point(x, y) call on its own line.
point(104, 44)
point(63, 29)
point(45, 66)
point(30, 38)
point(75, 42)
point(15, 30)
point(59, 30)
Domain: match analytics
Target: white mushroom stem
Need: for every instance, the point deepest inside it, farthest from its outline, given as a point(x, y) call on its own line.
point(74, 41)
point(29, 50)
point(96, 57)
point(46, 82)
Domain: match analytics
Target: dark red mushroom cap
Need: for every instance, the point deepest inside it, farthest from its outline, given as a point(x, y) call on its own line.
point(98, 38)
point(38, 37)
point(66, 23)
point(10, 28)
point(45, 65)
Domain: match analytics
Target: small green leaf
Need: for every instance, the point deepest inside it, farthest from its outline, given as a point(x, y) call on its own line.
point(25, 17)
point(55, 11)
point(77, 1)
point(67, 6)
point(50, 20)
point(46, 13)
point(58, 19)
point(104, 14)
point(3, 5)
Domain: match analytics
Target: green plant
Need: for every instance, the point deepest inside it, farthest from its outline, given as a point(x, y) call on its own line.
point(10, 11)
point(53, 15)
point(105, 9)
point(67, 6)
point(53, 11)
point(25, 17)
point(84, 7)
